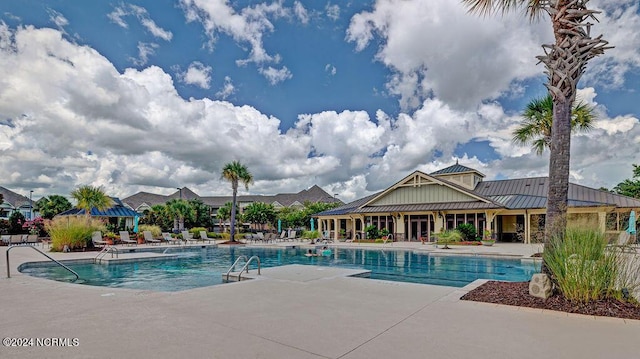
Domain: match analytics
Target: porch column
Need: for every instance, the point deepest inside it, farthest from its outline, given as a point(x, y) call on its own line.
point(336, 230)
point(320, 226)
point(353, 228)
point(400, 230)
point(527, 228)
point(602, 221)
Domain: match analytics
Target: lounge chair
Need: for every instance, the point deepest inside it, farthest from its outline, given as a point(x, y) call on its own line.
point(624, 243)
point(96, 238)
point(169, 239)
point(148, 237)
point(124, 237)
point(17, 239)
point(204, 237)
point(31, 239)
point(186, 236)
point(6, 239)
point(291, 236)
point(283, 236)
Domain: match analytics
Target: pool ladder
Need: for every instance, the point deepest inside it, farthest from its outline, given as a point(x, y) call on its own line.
point(44, 254)
point(104, 252)
point(245, 267)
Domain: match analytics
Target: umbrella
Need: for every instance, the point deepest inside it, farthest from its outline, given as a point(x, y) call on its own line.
point(312, 227)
point(279, 225)
point(632, 223)
point(135, 224)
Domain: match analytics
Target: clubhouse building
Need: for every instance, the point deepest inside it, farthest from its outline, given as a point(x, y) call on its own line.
point(421, 205)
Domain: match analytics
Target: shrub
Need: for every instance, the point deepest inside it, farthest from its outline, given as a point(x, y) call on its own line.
point(156, 231)
point(584, 268)
point(195, 231)
point(468, 231)
point(310, 234)
point(372, 232)
point(74, 232)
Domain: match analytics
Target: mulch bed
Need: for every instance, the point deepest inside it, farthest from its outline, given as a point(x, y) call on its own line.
point(517, 294)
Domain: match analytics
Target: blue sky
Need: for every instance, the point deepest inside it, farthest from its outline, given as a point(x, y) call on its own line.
point(352, 96)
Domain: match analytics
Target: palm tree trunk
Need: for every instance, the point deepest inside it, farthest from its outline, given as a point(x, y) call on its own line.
point(557, 196)
point(234, 185)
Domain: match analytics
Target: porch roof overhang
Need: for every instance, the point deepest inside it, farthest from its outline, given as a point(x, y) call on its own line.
point(425, 207)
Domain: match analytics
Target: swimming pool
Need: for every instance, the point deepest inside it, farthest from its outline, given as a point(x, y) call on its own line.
point(200, 267)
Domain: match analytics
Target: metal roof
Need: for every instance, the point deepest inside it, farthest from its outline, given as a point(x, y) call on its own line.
point(420, 207)
point(118, 210)
point(457, 168)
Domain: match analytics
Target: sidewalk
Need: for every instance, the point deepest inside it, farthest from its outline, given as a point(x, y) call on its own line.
point(295, 312)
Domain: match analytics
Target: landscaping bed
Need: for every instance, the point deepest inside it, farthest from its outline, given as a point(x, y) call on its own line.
point(517, 294)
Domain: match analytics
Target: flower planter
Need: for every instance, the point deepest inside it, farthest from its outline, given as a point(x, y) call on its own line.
point(488, 243)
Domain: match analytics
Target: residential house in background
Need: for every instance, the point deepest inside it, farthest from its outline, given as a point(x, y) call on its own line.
point(14, 202)
point(142, 201)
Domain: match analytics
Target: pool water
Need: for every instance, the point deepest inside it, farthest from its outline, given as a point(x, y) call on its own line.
point(204, 267)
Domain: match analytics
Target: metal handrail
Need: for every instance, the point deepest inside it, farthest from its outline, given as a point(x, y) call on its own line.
point(44, 254)
point(104, 252)
point(246, 267)
point(234, 264)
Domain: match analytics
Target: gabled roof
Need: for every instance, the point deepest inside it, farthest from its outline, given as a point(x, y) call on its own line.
point(419, 178)
point(140, 198)
point(14, 199)
point(118, 210)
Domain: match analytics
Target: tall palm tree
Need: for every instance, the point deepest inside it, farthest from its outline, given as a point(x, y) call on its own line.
point(89, 197)
point(235, 172)
point(565, 62)
point(538, 120)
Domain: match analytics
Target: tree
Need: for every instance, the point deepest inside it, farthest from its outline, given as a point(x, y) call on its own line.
point(223, 214)
point(89, 197)
point(179, 210)
point(630, 187)
point(50, 206)
point(201, 214)
point(538, 120)
point(565, 62)
point(235, 172)
point(260, 213)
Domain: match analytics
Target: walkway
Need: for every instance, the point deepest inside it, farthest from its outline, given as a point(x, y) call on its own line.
point(297, 315)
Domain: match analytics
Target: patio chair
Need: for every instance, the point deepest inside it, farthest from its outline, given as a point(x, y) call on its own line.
point(166, 236)
point(204, 237)
point(292, 235)
point(283, 236)
point(624, 243)
point(31, 239)
point(96, 238)
point(186, 236)
point(148, 237)
point(17, 239)
point(124, 237)
point(6, 239)
point(326, 238)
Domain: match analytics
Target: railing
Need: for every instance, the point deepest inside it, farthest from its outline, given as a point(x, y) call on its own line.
point(235, 263)
point(246, 267)
point(44, 254)
point(104, 252)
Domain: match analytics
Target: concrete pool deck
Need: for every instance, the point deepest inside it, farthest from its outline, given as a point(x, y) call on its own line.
point(294, 312)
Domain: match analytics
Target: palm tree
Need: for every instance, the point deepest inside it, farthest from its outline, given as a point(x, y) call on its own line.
point(565, 62)
point(179, 209)
point(48, 207)
point(236, 172)
point(538, 120)
point(89, 197)
point(223, 214)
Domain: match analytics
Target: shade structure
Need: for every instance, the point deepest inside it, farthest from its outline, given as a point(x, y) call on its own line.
point(632, 223)
point(312, 225)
